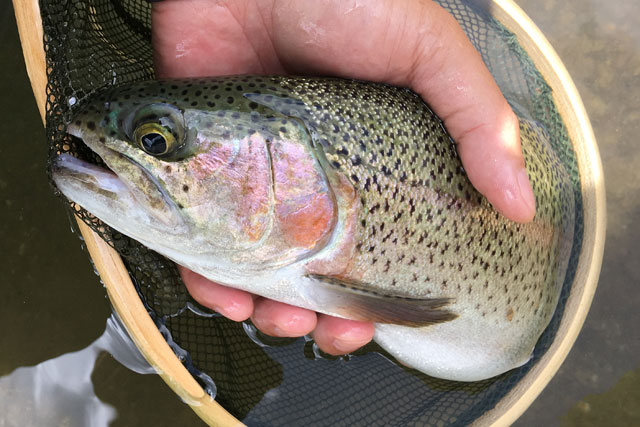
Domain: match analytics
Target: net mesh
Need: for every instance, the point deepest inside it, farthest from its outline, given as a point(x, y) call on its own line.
point(93, 44)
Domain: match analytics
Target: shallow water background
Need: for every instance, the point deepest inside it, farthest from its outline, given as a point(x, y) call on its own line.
point(52, 303)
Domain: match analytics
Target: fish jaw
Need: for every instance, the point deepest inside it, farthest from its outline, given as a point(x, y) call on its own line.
point(143, 187)
point(125, 197)
point(76, 178)
point(97, 190)
point(106, 196)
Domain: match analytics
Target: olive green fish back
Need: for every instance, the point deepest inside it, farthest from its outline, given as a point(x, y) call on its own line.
point(94, 44)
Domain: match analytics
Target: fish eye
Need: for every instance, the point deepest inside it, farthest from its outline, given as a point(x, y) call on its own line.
point(155, 139)
point(157, 128)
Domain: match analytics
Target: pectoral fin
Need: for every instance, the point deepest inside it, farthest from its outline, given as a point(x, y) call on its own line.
point(354, 301)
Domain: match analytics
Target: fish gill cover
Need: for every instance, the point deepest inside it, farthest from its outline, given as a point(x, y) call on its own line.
point(94, 44)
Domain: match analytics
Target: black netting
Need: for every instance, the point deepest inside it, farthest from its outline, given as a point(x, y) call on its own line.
point(94, 44)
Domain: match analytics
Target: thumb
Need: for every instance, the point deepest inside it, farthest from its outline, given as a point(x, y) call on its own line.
point(463, 93)
point(416, 44)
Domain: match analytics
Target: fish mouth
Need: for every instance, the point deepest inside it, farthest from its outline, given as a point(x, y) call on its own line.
point(122, 188)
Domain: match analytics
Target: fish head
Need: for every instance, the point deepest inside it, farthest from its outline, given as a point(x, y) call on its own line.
point(193, 183)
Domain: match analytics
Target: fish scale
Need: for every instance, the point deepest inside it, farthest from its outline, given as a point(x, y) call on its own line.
point(382, 223)
point(401, 206)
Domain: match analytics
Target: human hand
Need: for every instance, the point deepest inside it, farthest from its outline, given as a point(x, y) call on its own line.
point(412, 43)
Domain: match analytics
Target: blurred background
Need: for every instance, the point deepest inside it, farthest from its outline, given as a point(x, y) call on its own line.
point(52, 302)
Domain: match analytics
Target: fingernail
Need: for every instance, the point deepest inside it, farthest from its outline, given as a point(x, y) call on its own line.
point(526, 193)
point(348, 342)
point(277, 332)
point(343, 346)
point(266, 326)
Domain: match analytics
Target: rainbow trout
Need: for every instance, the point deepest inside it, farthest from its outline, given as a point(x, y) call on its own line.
point(343, 197)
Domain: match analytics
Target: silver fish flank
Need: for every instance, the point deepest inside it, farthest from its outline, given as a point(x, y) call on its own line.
point(339, 196)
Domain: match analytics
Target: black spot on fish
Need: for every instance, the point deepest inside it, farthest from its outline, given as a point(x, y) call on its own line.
point(342, 151)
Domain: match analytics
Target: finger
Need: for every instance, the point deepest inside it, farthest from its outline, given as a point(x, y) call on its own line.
point(202, 38)
point(282, 320)
point(231, 303)
point(420, 45)
point(341, 336)
point(464, 94)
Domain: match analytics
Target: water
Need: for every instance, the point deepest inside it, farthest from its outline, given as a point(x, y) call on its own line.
point(52, 302)
point(59, 391)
